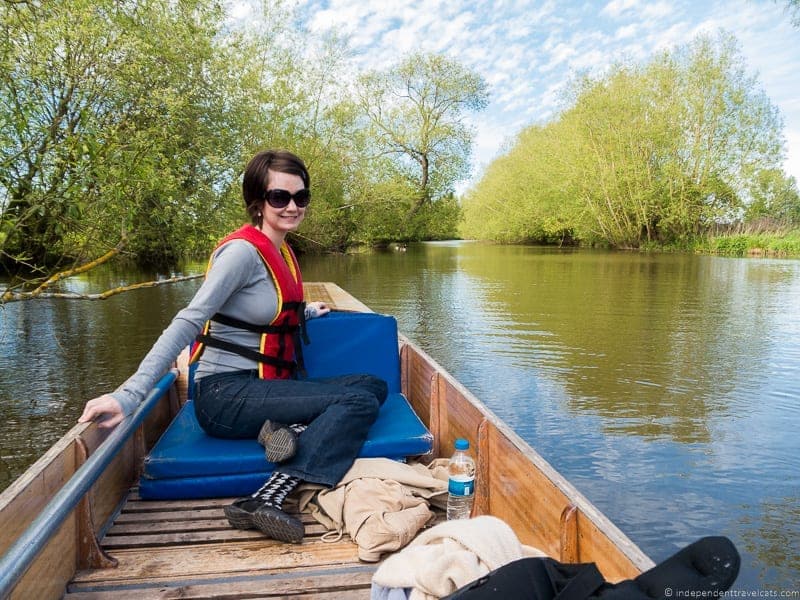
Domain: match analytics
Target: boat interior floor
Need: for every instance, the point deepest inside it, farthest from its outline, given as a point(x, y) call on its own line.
point(187, 549)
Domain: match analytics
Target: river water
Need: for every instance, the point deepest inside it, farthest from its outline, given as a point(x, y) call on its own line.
point(665, 387)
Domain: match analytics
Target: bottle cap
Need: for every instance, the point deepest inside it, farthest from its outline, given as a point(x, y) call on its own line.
point(462, 444)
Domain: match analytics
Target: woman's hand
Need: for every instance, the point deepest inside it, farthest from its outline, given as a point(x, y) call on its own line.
point(103, 405)
point(316, 309)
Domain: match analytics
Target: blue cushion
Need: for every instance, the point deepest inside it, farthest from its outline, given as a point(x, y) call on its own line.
point(185, 450)
point(218, 486)
point(348, 343)
point(187, 463)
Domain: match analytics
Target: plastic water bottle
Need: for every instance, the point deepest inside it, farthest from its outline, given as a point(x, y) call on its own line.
point(461, 484)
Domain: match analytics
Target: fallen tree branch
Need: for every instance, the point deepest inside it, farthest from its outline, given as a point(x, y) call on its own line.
point(18, 296)
point(81, 269)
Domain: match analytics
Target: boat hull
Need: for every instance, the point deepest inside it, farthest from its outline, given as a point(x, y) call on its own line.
point(114, 545)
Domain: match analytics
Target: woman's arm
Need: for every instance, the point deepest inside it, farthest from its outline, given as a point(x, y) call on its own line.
point(231, 269)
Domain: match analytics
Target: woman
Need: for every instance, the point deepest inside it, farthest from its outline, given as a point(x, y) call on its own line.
point(245, 320)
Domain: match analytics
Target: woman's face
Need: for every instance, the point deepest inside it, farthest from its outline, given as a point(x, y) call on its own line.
point(282, 220)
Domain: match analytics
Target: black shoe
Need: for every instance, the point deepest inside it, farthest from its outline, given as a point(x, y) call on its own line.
point(278, 525)
point(252, 513)
point(240, 512)
point(709, 565)
point(279, 441)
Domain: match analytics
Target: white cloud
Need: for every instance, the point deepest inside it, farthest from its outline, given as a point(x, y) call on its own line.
point(591, 60)
point(560, 54)
point(616, 8)
point(657, 10)
point(626, 31)
point(528, 49)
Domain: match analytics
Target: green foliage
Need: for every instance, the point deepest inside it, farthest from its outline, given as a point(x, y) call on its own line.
point(657, 153)
point(752, 244)
point(133, 121)
point(439, 220)
point(732, 245)
point(111, 127)
point(523, 196)
point(414, 111)
point(775, 197)
point(415, 145)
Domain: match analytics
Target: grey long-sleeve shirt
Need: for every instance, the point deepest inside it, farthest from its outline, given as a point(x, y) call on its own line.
point(238, 285)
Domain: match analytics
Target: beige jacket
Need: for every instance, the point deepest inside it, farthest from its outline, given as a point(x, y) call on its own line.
point(380, 503)
point(450, 555)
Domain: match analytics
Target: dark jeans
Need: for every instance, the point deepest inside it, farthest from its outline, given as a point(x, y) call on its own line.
point(338, 411)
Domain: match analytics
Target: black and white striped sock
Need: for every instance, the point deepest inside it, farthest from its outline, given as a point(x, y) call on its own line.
point(276, 488)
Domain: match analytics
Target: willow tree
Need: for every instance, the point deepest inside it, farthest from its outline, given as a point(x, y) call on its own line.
point(525, 195)
point(776, 201)
point(111, 127)
point(730, 132)
point(655, 152)
point(415, 120)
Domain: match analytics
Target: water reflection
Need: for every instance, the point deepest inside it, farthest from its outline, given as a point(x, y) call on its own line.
point(56, 354)
point(664, 387)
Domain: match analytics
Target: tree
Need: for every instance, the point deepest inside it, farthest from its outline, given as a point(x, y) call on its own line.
point(775, 198)
point(658, 152)
point(415, 125)
point(126, 126)
point(731, 129)
point(110, 128)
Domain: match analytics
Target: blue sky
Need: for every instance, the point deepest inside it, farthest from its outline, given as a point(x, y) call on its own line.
point(528, 49)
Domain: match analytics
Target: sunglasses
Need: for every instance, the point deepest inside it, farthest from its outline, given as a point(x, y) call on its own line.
point(281, 198)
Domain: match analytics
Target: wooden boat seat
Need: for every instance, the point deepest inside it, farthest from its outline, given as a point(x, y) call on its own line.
point(188, 463)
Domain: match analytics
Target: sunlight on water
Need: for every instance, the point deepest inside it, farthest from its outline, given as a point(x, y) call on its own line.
point(664, 387)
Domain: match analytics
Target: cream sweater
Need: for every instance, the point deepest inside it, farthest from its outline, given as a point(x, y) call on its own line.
point(450, 555)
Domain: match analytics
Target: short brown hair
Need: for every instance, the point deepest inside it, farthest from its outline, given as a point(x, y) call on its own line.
point(256, 177)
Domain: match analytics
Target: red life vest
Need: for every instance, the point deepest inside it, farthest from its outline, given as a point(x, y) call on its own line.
point(279, 343)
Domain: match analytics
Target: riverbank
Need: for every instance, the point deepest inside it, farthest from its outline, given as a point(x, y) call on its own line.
point(771, 245)
point(742, 242)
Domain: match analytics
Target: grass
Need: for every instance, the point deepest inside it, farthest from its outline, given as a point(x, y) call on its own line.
point(771, 244)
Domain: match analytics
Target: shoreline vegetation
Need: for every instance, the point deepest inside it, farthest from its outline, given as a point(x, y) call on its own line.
point(756, 245)
point(682, 152)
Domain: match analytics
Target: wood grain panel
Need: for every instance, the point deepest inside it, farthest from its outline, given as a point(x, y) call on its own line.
point(157, 563)
point(420, 373)
point(346, 582)
point(21, 503)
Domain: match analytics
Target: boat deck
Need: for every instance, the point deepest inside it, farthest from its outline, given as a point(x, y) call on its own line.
point(187, 549)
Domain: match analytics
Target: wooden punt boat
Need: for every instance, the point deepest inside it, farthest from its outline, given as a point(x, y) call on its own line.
point(108, 543)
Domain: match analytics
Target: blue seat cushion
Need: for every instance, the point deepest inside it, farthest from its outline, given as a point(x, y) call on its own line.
point(345, 343)
point(350, 343)
point(217, 486)
point(188, 463)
